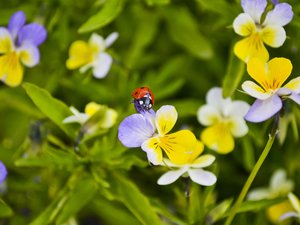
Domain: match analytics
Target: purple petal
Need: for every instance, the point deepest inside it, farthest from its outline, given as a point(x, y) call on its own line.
point(16, 22)
point(3, 172)
point(295, 97)
point(134, 130)
point(262, 110)
point(281, 15)
point(33, 33)
point(275, 2)
point(254, 8)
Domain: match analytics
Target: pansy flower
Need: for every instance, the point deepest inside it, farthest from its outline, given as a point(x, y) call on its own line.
point(224, 119)
point(19, 46)
point(95, 116)
point(192, 168)
point(150, 131)
point(3, 172)
point(279, 186)
point(269, 92)
point(257, 32)
point(92, 54)
point(295, 213)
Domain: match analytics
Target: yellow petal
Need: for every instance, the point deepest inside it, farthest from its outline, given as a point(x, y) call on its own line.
point(270, 75)
point(280, 70)
point(258, 70)
point(276, 211)
point(80, 54)
point(91, 108)
point(6, 44)
point(251, 47)
point(294, 85)
point(218, 138)
point(11, 71)
point(165, 119)
point(180, 146)
point(198, 150)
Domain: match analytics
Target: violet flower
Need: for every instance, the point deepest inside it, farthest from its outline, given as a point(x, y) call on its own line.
point(19, 46)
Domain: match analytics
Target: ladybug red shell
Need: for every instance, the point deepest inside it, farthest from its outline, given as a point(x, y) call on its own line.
point(143, 99)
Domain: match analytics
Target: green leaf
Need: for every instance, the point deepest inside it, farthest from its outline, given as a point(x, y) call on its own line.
point(108, 211)
point(82, 193)
point(53, 108)
point(186, 107)
point(220, 7)
point(143, 34)
point(233, 76)
point(48, 215)
point(5, 210)
point(218, 211)
point(184, 31)
point(107, 14)
point(125, 191)
point(169, 71)
point(157, 2)
point(49, 157)
point(255, 206)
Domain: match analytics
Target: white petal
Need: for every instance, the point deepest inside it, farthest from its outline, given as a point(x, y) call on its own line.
point(111, 39)
point(237, 108)
point(238, 126)
point(203, 161)
point(97, 42)
point(254, 90)
point(244, 25)
point(273, 35)
point(259, 194)
point(278, 177)
point(102, 65)
point(29, 54)
point(154, 153)
point(202, 177)
point(171, 176)
point(254, 8)
point(208, 115)
point(214, 97)
point(281, 15)
point(289, 215)
point(295, 202)
point(81, 118)
point(295, 97)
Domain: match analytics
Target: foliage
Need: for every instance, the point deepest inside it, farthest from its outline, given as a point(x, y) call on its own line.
point(178, 48)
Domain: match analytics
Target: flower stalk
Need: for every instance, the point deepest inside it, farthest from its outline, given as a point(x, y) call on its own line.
point(253, 173)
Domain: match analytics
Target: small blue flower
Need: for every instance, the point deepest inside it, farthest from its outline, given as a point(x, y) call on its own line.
point(3, 172)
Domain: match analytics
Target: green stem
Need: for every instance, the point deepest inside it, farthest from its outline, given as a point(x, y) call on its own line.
point(251, 177)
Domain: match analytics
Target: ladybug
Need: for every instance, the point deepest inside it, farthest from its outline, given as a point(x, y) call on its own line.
point(143, 99)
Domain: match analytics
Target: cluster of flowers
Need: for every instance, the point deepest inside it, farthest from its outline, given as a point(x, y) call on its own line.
point(180, 151)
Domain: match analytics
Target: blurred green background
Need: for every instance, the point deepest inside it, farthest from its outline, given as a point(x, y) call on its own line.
point(180, 49)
